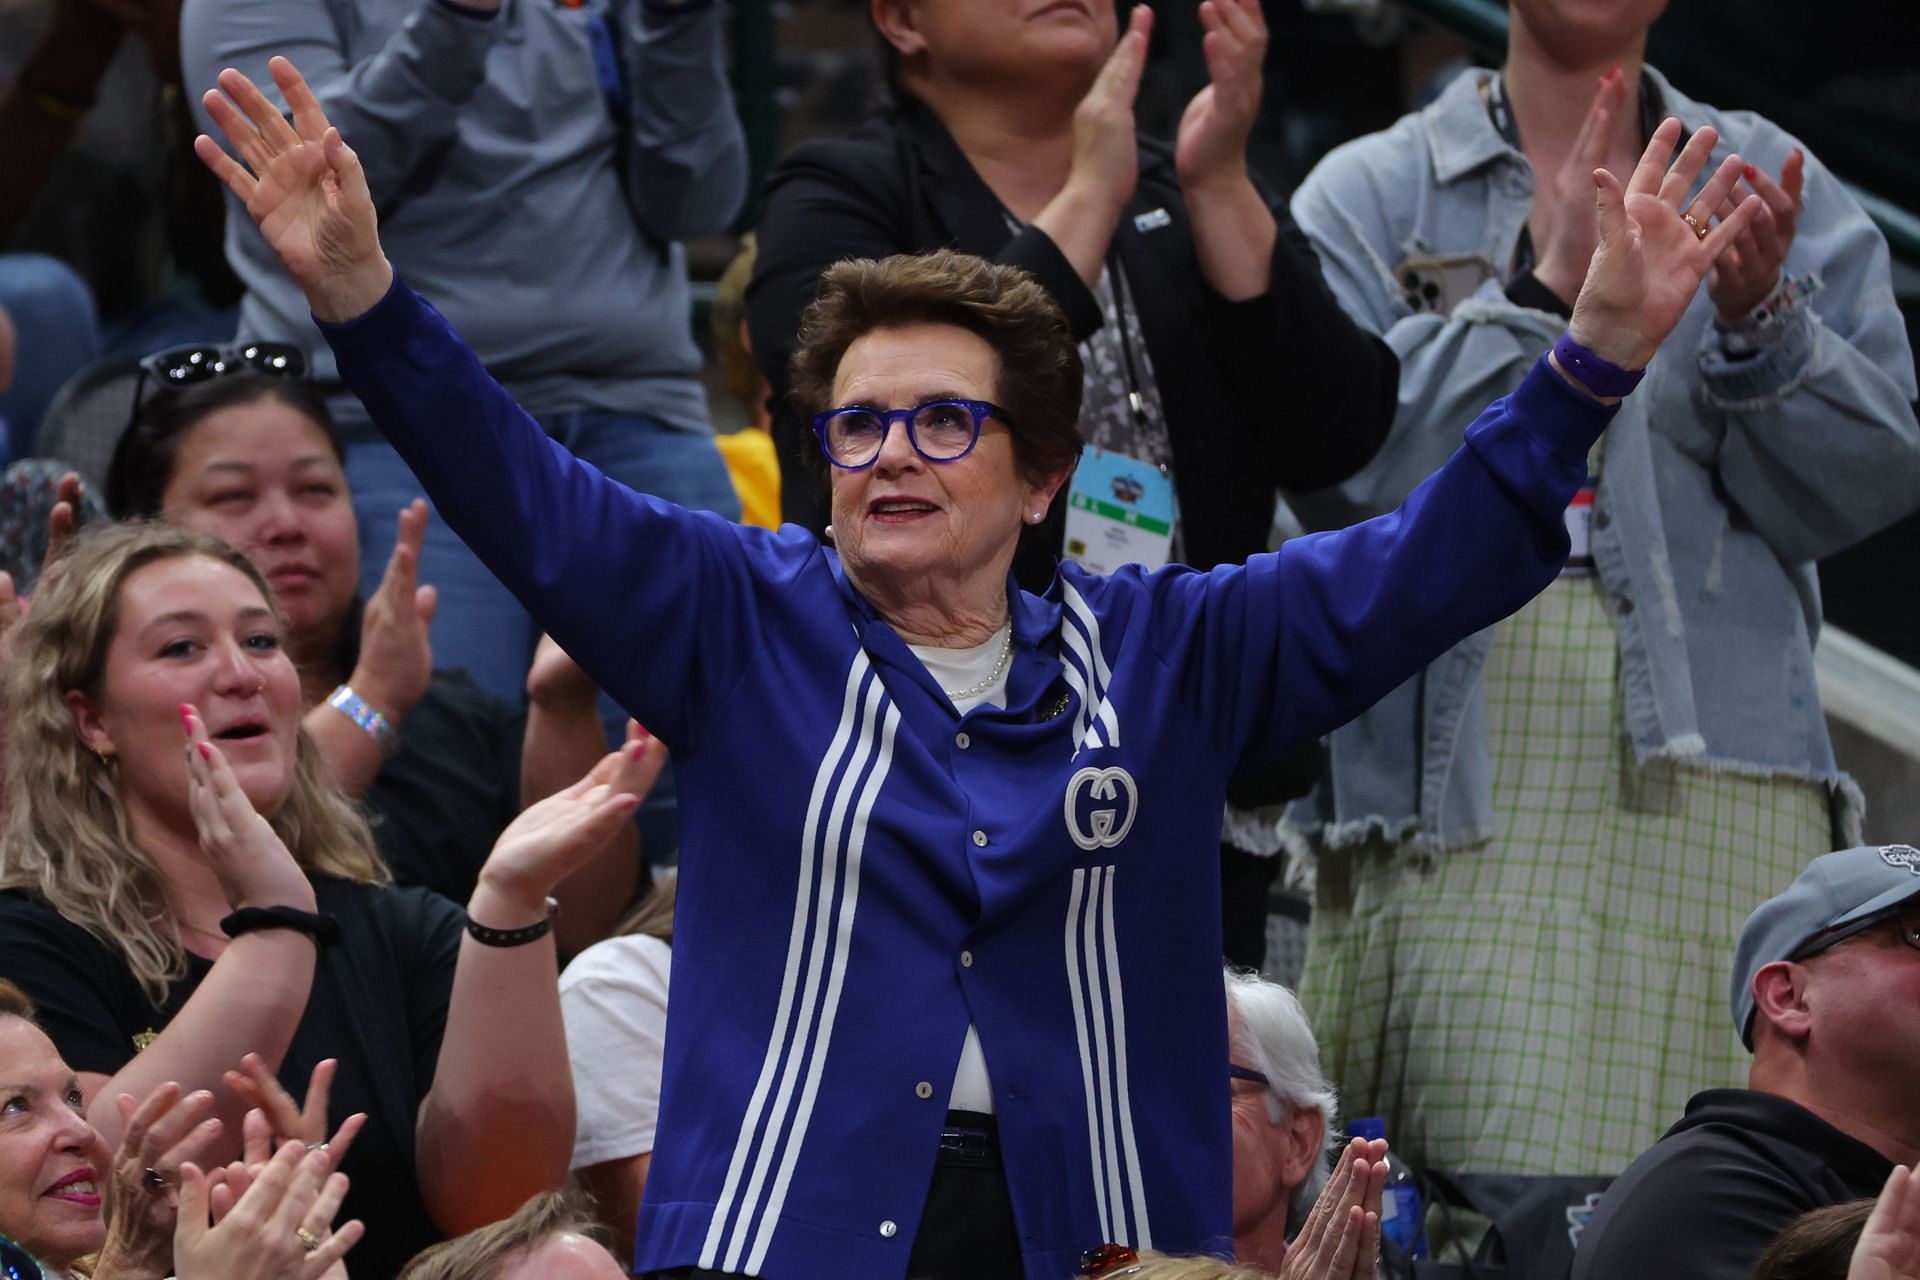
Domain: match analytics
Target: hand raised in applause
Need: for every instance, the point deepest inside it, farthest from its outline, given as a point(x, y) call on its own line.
point(245, 853)
point(1562, 221)
point(304, 186)
point(161, 1133)
point(1211, 146)
point(1889, 1247)
point(1747, 273)
point(278, 1228)
point(396, 652)
point(553, 837)
point(1651, 259)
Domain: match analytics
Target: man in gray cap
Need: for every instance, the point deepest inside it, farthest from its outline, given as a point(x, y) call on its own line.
point(1826, 994)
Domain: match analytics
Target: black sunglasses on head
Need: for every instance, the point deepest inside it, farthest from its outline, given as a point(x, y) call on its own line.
point(177, 368)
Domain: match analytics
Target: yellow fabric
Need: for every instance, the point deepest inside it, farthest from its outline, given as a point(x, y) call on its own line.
point(755, 469)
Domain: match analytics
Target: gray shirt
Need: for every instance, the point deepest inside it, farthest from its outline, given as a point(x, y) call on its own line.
point(491, 153)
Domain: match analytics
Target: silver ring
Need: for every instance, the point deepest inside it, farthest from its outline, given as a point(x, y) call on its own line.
point(317, 1146)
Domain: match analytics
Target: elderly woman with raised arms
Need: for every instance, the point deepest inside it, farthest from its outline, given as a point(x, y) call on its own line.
point(982, 820)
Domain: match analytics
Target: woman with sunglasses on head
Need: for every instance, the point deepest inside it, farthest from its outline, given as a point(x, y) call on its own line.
point(981, 818)
point(237, 444)
point(183, 888)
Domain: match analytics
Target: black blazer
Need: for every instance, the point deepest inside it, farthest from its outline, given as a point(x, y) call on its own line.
point(1279, 392)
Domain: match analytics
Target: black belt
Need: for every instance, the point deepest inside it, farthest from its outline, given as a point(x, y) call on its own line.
point(970, 1140)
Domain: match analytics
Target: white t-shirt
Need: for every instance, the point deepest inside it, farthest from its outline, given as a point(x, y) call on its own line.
point(613, 998)
point(965, 669)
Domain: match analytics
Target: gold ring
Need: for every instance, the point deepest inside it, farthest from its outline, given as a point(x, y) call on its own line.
point(1699, 228)
point(308, 1240)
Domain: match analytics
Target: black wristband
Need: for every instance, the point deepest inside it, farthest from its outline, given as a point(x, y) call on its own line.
point(323, 929)
point(490, 937)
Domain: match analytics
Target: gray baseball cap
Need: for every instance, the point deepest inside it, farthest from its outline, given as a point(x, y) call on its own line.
point(1849, 887)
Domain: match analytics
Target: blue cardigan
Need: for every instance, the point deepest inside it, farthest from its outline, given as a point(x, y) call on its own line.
point(864, 874)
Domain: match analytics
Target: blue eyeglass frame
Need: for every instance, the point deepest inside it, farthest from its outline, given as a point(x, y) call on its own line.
point(978, 410)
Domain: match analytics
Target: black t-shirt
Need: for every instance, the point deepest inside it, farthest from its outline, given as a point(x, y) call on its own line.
point(378, 1004)
point(1708, 1198)
point(437, 807)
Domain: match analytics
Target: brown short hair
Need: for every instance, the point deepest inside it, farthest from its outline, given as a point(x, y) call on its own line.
point(1038, 377)
point(483, 1252)
point(1816, 1245)
point(14, 1003)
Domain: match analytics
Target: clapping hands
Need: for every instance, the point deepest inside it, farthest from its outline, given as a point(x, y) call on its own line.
point(1656, 245)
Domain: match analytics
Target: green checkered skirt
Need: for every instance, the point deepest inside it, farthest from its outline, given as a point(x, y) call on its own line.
point(1547, 1002)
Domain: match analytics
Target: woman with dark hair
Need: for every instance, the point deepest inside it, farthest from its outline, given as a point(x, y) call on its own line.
point(441, 765)
point(981, 818)
point(1218, 367)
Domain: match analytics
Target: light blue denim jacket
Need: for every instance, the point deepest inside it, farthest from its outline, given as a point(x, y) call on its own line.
point(1724, 478)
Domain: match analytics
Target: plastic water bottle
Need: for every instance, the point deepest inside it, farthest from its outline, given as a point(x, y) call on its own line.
point(1402, 1215)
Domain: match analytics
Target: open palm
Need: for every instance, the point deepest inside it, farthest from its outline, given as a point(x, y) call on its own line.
point(1650, 260)
point(304, 187)
point(1889, 1247)
point(554, 837)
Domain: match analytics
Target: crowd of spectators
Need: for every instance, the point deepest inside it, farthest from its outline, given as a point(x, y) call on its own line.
point(1443, 531)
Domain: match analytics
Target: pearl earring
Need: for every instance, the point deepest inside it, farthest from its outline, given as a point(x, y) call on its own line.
point(828, 532)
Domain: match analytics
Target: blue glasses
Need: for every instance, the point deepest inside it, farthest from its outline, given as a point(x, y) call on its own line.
point(939, 431)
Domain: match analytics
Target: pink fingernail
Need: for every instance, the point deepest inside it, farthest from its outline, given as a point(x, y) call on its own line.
point(186, 717)
point(206, 750)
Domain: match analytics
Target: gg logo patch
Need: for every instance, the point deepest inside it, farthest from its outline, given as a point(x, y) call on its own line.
point(1094, 819)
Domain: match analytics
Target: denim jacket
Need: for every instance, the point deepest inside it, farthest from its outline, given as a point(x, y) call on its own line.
point(1725, 477)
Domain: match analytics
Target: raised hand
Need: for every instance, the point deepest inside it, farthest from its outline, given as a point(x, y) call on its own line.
point(277, 1230)
point(396, 655)
point(1656, 246)
point(1341, 1238)
point(275, 1117)
point(1889, 1247)
point(1211, 146)
point(304, 186)
point(553, 837)
point(162, 1133)
point(245, 853)
point(1562, 221)
point(1746, 274)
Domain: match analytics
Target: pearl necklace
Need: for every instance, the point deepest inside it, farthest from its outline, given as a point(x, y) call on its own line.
point(993, 677)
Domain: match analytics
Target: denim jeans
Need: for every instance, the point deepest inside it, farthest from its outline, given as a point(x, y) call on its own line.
point(480, 627)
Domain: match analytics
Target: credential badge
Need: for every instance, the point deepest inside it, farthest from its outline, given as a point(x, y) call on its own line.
point(1108, 825)
point(1901, 855)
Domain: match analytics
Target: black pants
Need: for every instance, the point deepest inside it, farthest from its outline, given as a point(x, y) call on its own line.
point(966, 1230)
